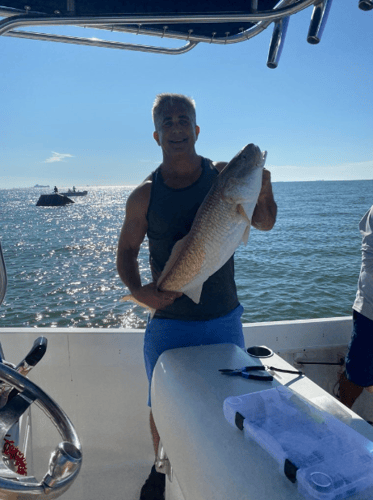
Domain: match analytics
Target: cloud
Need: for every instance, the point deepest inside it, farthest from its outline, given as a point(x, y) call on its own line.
point(58, 157)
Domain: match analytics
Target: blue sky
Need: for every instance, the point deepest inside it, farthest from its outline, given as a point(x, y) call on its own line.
point(74, 115)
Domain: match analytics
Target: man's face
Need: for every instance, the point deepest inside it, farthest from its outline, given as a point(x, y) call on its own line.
point(176, 133)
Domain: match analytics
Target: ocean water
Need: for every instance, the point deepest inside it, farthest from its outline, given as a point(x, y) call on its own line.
point(62, 272)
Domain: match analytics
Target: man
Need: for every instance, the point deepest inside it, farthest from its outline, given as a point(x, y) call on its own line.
point(359, 360)
point(163, 208)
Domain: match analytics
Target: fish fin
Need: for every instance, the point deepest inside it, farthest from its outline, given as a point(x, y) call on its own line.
point(195, 293)
point(240, 210)
point(128, 297)
point(245, 237)
point(131, 298)
point(176, 250)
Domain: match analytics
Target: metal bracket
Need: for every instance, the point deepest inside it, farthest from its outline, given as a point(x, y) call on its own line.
point(162, 463)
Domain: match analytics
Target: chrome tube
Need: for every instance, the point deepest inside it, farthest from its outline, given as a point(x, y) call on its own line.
point(277, 42)
point(318, 20)
point(45, 402)
point(65, 462)
point(101, 43)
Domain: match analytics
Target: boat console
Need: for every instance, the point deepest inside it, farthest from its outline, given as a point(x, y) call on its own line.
point(193, 21)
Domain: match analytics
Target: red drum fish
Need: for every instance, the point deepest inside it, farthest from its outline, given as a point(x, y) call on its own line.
point(222, 222)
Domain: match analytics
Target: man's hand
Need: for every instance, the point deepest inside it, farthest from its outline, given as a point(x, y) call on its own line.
point(264, 216)
point(266, 189)
point(153, 298)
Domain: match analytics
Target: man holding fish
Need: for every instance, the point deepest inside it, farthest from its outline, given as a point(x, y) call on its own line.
point(195, 213)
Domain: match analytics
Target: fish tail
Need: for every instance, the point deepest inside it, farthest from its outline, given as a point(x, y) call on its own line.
point(131, 298)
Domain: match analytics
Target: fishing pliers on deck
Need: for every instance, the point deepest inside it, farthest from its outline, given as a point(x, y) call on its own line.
point(252, 372)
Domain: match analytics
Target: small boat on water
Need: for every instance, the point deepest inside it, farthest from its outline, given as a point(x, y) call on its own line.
point(72, 192)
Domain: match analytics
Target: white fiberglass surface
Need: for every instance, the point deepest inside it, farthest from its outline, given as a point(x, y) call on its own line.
point(100, 382)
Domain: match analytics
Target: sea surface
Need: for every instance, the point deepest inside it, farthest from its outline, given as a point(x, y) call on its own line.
point(62, 272)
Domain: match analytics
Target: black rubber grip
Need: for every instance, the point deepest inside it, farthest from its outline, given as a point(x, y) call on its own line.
point(37, 351)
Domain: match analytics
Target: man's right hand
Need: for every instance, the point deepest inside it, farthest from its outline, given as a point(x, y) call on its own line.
point(154, 298)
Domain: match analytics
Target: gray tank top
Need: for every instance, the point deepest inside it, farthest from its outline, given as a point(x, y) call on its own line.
point(170, 216)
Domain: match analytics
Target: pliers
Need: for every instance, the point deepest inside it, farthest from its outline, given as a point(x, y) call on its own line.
point(260, 372)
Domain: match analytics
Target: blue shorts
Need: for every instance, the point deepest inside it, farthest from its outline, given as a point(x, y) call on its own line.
point(359, 358)
point(163, 334)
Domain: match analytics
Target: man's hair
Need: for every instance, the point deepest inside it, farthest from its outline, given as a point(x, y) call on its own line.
point(166, 99)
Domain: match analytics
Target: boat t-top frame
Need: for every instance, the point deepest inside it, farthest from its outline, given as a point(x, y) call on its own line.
point(195, 21)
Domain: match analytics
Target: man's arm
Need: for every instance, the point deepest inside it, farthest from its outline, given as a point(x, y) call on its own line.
point(264, 216)
point(131, 237)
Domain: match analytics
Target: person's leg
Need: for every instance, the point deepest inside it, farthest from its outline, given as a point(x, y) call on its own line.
point(359, 361)
point(161, 335)
point(154, 487)
point(154, 433)
point(348, 391)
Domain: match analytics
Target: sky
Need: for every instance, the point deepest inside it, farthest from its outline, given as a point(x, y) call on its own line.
point(76, 115)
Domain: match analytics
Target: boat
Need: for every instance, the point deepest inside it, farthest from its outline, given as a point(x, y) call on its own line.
point(95, 377)
point(72, 192)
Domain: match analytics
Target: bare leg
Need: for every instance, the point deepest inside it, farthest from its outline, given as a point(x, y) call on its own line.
point(154, 487)
point(154, 432)
point(348, 391)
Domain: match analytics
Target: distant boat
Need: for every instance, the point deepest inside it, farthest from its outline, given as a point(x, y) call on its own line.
point(72, 192)
point(40, 186)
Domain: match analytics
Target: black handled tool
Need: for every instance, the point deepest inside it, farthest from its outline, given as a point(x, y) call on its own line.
point(251, 372)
